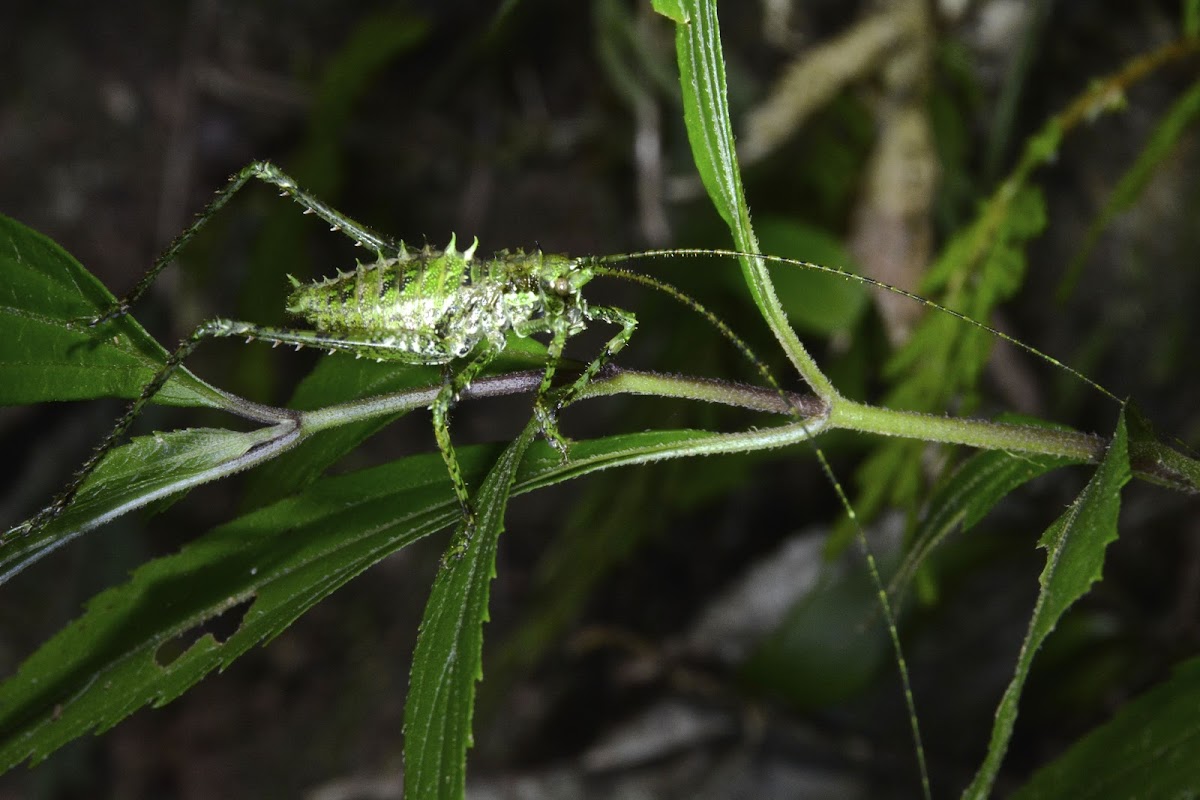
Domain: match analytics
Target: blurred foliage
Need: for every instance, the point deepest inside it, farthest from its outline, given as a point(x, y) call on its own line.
point(530, 121)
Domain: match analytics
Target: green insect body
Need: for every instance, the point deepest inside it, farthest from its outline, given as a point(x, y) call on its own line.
point(433, 306)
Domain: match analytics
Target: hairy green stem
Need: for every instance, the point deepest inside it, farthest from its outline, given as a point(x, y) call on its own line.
point(706, 109)
point(971, 432)
point(842, 413)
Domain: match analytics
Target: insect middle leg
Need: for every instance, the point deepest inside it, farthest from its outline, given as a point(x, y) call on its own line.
point(548, 403)
point(268, 173)
point(440, 408)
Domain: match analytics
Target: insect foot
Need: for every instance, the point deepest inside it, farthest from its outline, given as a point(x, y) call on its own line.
point(23, 529)
point(39, 521)
point(547, 414)
point(116, 312)
point(224, 327)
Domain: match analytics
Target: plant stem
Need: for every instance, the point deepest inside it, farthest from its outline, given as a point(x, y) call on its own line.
point(706, 390)
point(842, 413)
point(972, 432)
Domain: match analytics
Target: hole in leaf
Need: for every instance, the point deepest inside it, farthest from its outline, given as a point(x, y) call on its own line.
point(220, 628)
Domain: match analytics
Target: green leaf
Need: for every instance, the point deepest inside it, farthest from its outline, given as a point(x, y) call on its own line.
point(1075, 546)
point(1151, 748)
point(966, 497)
point(1166, 135)
point(283, 558)
point(134, 475)
point(47, 350)
point(706, 116)
point(449, 654)
point(706, 112)
point(277, 562)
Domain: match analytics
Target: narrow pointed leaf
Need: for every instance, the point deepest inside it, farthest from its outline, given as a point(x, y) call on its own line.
point(706, 112)
point(710, 132)
point(47, 350)
point(1075, 546)
point(149, 468)
point(125, 651)
point(449, 655)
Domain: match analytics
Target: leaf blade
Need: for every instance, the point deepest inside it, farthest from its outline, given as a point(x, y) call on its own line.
point(279, 561)
point(1149, 749)
point(1075, 545)
point(136, 474)
point(448, 658)
point(47, 351)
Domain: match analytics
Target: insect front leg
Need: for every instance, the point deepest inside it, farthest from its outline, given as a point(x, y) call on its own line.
point(613, 316)
point(544, 406)
point(268, 173)
point(548, 404)
point(440, 409)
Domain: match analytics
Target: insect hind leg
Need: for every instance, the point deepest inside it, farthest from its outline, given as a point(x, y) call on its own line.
point(266, 172)
point(212, 329)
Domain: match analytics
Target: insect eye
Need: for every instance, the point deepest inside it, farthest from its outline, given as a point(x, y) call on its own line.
point(561, 286)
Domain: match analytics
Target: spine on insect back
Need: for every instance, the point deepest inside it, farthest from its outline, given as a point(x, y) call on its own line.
point(432, 306)
point(369, 300)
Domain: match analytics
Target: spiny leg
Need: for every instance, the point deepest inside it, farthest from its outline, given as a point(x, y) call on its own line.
point(268, 173)
point(455, 385)
point(613, 316)
point(451, 389)
point(548, 410)
point(208, 330)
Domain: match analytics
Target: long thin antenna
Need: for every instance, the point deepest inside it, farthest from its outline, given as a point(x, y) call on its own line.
point(851, 276)
point(679, 295)
point(872, 566)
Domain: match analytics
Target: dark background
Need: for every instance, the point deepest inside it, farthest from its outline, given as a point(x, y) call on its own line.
point(118, 121)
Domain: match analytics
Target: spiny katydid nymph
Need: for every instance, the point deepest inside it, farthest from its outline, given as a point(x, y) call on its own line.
point(428, 306)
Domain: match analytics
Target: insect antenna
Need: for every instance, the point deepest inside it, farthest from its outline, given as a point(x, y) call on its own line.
point(722, 327)
point(862, 279)
point(885, 604)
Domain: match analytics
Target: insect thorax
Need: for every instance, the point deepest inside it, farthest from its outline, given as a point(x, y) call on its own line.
point(433, 305)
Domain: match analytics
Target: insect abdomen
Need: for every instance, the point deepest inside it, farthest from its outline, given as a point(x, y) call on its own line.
point(426, 307)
